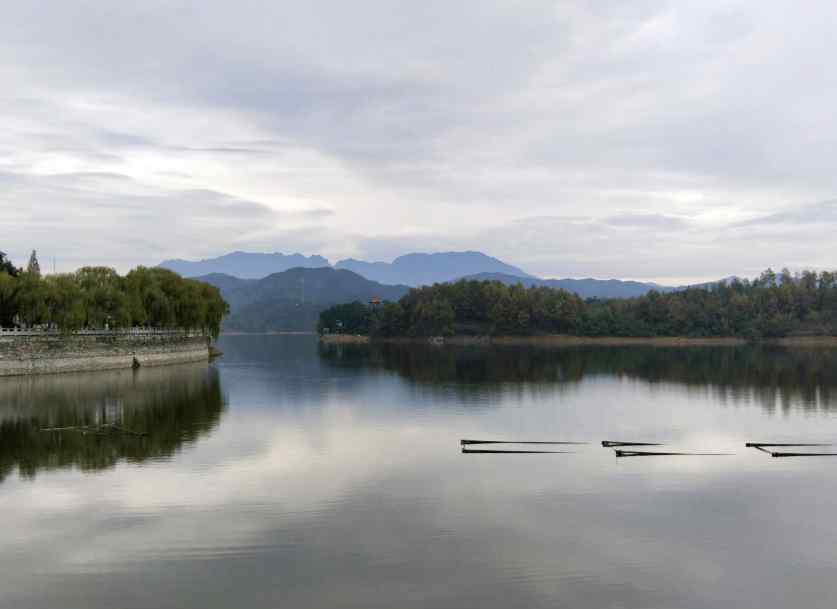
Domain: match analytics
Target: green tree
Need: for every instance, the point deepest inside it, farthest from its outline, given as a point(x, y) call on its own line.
point(30, 298)
point(106, 303)
point(65, 303)
point(8, 299)
point(7, 267)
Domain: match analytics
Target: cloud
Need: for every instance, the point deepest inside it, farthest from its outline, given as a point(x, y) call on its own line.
point(646, 221)
point(113, 219)
point(430, 124)
point(817, 213)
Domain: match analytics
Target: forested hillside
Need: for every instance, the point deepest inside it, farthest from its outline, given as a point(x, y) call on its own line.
point(586, 288)
point(293, 300)
point(770, 306)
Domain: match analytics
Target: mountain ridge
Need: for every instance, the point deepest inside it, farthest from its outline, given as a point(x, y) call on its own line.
point(418, 268)
point(413, 269)
point(244, 265)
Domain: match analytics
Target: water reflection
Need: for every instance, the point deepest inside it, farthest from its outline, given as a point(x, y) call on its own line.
point(337, 479)
point(170, 407)
point(775, 378)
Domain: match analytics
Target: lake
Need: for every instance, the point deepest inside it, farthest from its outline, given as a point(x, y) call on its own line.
point(289, 474)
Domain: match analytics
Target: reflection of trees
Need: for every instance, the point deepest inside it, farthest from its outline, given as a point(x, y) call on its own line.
point(172, 406)
point(770, 376)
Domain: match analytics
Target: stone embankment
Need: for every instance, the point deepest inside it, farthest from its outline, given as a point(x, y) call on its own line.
point(50, 352)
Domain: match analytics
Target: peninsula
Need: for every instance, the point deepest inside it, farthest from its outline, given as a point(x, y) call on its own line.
point(772, 306)
point(95, 319)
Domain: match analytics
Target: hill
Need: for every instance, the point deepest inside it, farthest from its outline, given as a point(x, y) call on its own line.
point(427, 269)
point(770, 306)
point(244, 265)
point(292, 300)
point(585, 288)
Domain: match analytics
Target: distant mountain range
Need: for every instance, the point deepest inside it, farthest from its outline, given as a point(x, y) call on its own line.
point(287, 291)
point(244, 265)
point(292, 300)
point(427, 269)
point(410, 269)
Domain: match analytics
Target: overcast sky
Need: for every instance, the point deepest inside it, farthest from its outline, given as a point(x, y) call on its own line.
point(670, 141)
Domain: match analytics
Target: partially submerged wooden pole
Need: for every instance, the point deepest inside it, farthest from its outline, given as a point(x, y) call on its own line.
point(783, 454)
point(469, 442)
point(764, 446)
point(97, 429)
point(638, 453)
point(477, 451)
point(759, 444)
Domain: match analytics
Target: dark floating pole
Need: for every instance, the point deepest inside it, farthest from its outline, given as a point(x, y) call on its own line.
point(774, 454)
point(470, 442)
point(97, 429)
point(760, 444)
point(640, 453)
point(764, 446)
point(609, 444)
point(485, 451)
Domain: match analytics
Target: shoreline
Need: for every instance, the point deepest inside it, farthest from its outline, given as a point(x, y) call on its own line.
point(563, 340)
point(24, 354)
point(268, 333)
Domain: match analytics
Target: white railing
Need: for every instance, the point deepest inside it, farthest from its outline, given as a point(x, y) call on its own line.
point(115, 332)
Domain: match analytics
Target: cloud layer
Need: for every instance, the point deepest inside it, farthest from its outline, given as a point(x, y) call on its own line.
point(661, 140)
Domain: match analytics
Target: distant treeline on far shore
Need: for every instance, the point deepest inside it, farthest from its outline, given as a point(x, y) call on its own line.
point(770, 306)
point(98, 297)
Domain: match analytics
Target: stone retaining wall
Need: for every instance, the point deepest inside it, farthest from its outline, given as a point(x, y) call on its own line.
point(49, 353)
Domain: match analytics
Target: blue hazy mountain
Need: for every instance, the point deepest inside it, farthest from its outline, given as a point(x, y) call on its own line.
point(244, 265)
point(426, 269)
point(292, 300)
point(585, 288)
point(239, 279)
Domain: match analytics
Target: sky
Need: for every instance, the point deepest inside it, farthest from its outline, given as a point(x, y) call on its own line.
point(665, 141)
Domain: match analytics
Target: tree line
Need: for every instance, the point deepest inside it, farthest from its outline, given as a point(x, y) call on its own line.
point(770, 306)
point(99, 298)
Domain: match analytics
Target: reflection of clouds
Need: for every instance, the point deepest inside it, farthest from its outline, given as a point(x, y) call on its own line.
point(351, 489)
point(359, 508)
point(279, 472)
point(345, 487)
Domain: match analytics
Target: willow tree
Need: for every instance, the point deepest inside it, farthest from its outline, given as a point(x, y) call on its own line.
point(7, 267)
point(65, 302)
point(8, 298)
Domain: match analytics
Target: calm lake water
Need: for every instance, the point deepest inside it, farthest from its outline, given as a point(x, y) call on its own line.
point(292, 475)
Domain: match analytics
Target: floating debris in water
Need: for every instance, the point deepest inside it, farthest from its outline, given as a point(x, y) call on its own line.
point(640, 453)
point(610, 444)
point(476, 451)
point(469, 442)
point(764, 446)
point(782, 454)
